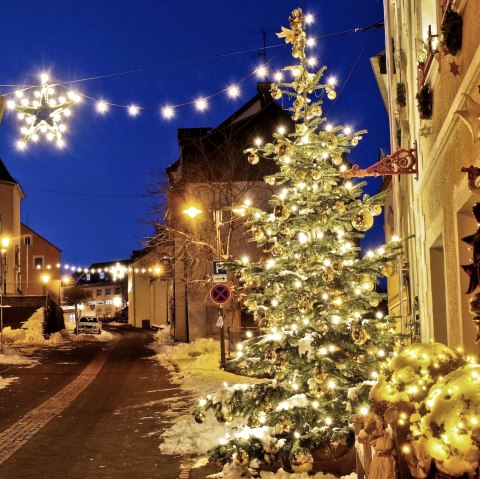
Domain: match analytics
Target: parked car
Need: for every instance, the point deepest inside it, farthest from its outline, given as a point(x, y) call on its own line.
point(89, 325)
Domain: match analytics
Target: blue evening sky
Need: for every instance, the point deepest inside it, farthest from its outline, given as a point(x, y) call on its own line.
point(88, 199)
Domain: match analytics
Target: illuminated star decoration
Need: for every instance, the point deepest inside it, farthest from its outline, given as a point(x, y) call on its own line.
point(43, 114)
point(471, 116)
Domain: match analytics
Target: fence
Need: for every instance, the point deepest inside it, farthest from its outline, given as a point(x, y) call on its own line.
point(25, 289)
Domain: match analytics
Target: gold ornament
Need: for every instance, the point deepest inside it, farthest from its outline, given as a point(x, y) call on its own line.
point(199, 417)
point(359, 335)
point(299, 102)
point(314, 111)
point(362, 220)
point(332, 95)
point(328, 275)
point(253, 158)
point(223, 416)
point(376, 210)
point(301, 460)
point(337, 266)
point(333, 141)
point(319, 376)
point(388, 269)
point(337, 160)
point(275, 91)
point(374, 302)
point(340, 206)
point(355, 141)
point(270, 180)
point(367, 283)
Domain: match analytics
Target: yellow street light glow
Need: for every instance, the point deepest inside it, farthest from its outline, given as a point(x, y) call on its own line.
point(192, 211)
point(45, 278)
point(201, 104)
point(168, 112)
point(117, 301)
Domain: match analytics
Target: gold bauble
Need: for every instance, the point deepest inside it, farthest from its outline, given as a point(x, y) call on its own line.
point(253, 158)
point(299, 102)
point(301, 460)
point(355, 141)
point(359, 335)
point(340, 206)
point(337, 160)
point(276, 92)
point(337, 266)
point(270, 180)
point(328, 275)
point(333, 141)
point(374, 302)
point(376, 210)
point(199, 417)
point(367, 284)
point(223, 416)
point(388, 269)
point(319, 376)
point(332, 95)
point(362, 220)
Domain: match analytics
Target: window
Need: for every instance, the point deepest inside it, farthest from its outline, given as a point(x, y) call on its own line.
point(99, 292)
point(117, 290)
point(102, 275)
point(38, 262)
point(89, 276)
point(108, 291)
point(27, 240)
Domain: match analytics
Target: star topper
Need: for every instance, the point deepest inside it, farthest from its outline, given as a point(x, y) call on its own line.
point(44, 114)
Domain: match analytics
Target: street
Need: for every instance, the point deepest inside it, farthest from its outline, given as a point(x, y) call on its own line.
point(89, 409)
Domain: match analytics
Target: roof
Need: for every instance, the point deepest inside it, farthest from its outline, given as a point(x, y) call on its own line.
point(6, 177)
point(40, 236)
point(209, 147)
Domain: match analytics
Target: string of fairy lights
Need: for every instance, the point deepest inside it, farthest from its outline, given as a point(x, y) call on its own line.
point(43, 110)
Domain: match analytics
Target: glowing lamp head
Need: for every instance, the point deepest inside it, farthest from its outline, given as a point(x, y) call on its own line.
point(117, 301)
point(45, 278)
point(192, 211)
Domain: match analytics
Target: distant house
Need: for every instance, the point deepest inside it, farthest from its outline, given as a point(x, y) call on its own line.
point(38, 258)
point(107, 284)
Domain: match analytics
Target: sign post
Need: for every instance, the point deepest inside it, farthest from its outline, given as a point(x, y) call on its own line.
point(221, 294)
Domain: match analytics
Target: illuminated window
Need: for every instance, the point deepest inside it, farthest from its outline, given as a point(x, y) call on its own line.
point(99, 292)
point(38, 262)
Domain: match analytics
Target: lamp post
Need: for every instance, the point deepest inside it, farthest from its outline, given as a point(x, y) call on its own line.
point(45, 280)
point(193, 212)
point(5, 241)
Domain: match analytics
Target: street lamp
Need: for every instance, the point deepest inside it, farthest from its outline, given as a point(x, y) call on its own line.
point(45, 280)
point(5, 241)
point(192, 212)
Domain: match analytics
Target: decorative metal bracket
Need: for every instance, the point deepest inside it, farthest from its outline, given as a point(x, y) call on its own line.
point(401, 162)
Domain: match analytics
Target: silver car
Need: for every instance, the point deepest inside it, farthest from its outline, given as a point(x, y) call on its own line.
point(89, 325)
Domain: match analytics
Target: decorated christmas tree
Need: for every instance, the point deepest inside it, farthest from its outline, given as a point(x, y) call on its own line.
point(313, 293)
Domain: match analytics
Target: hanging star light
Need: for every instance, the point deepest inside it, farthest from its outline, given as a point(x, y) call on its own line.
point(471, 116)
point(43, 114)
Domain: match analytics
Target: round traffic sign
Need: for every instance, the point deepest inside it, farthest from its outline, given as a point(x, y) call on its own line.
point(220, 293)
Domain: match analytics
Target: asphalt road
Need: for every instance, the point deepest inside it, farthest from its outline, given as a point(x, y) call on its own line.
point(88, 410)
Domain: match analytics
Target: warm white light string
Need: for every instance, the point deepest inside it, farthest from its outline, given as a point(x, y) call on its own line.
point(54, 109)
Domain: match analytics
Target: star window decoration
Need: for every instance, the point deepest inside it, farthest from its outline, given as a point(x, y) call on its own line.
point(44, 114)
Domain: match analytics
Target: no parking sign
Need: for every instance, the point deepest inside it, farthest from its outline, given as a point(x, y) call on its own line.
point(220, 293)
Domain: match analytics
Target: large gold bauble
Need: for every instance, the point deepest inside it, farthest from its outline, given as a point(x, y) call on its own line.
point(367, 284)
point(199, 417)
point(374, 302)
point(319, 376)
point(301, 460)
point(332, 94)
point(388, 269)
point(376, 210)
point(253, 158)
point(362, 220)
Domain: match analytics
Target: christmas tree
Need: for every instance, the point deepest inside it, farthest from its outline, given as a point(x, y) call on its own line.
point(313, 293)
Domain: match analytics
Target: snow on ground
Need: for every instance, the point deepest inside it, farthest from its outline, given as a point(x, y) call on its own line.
point(4, 382)
point(194, 367)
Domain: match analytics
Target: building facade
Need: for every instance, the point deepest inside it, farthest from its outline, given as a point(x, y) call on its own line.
point(432, 92)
